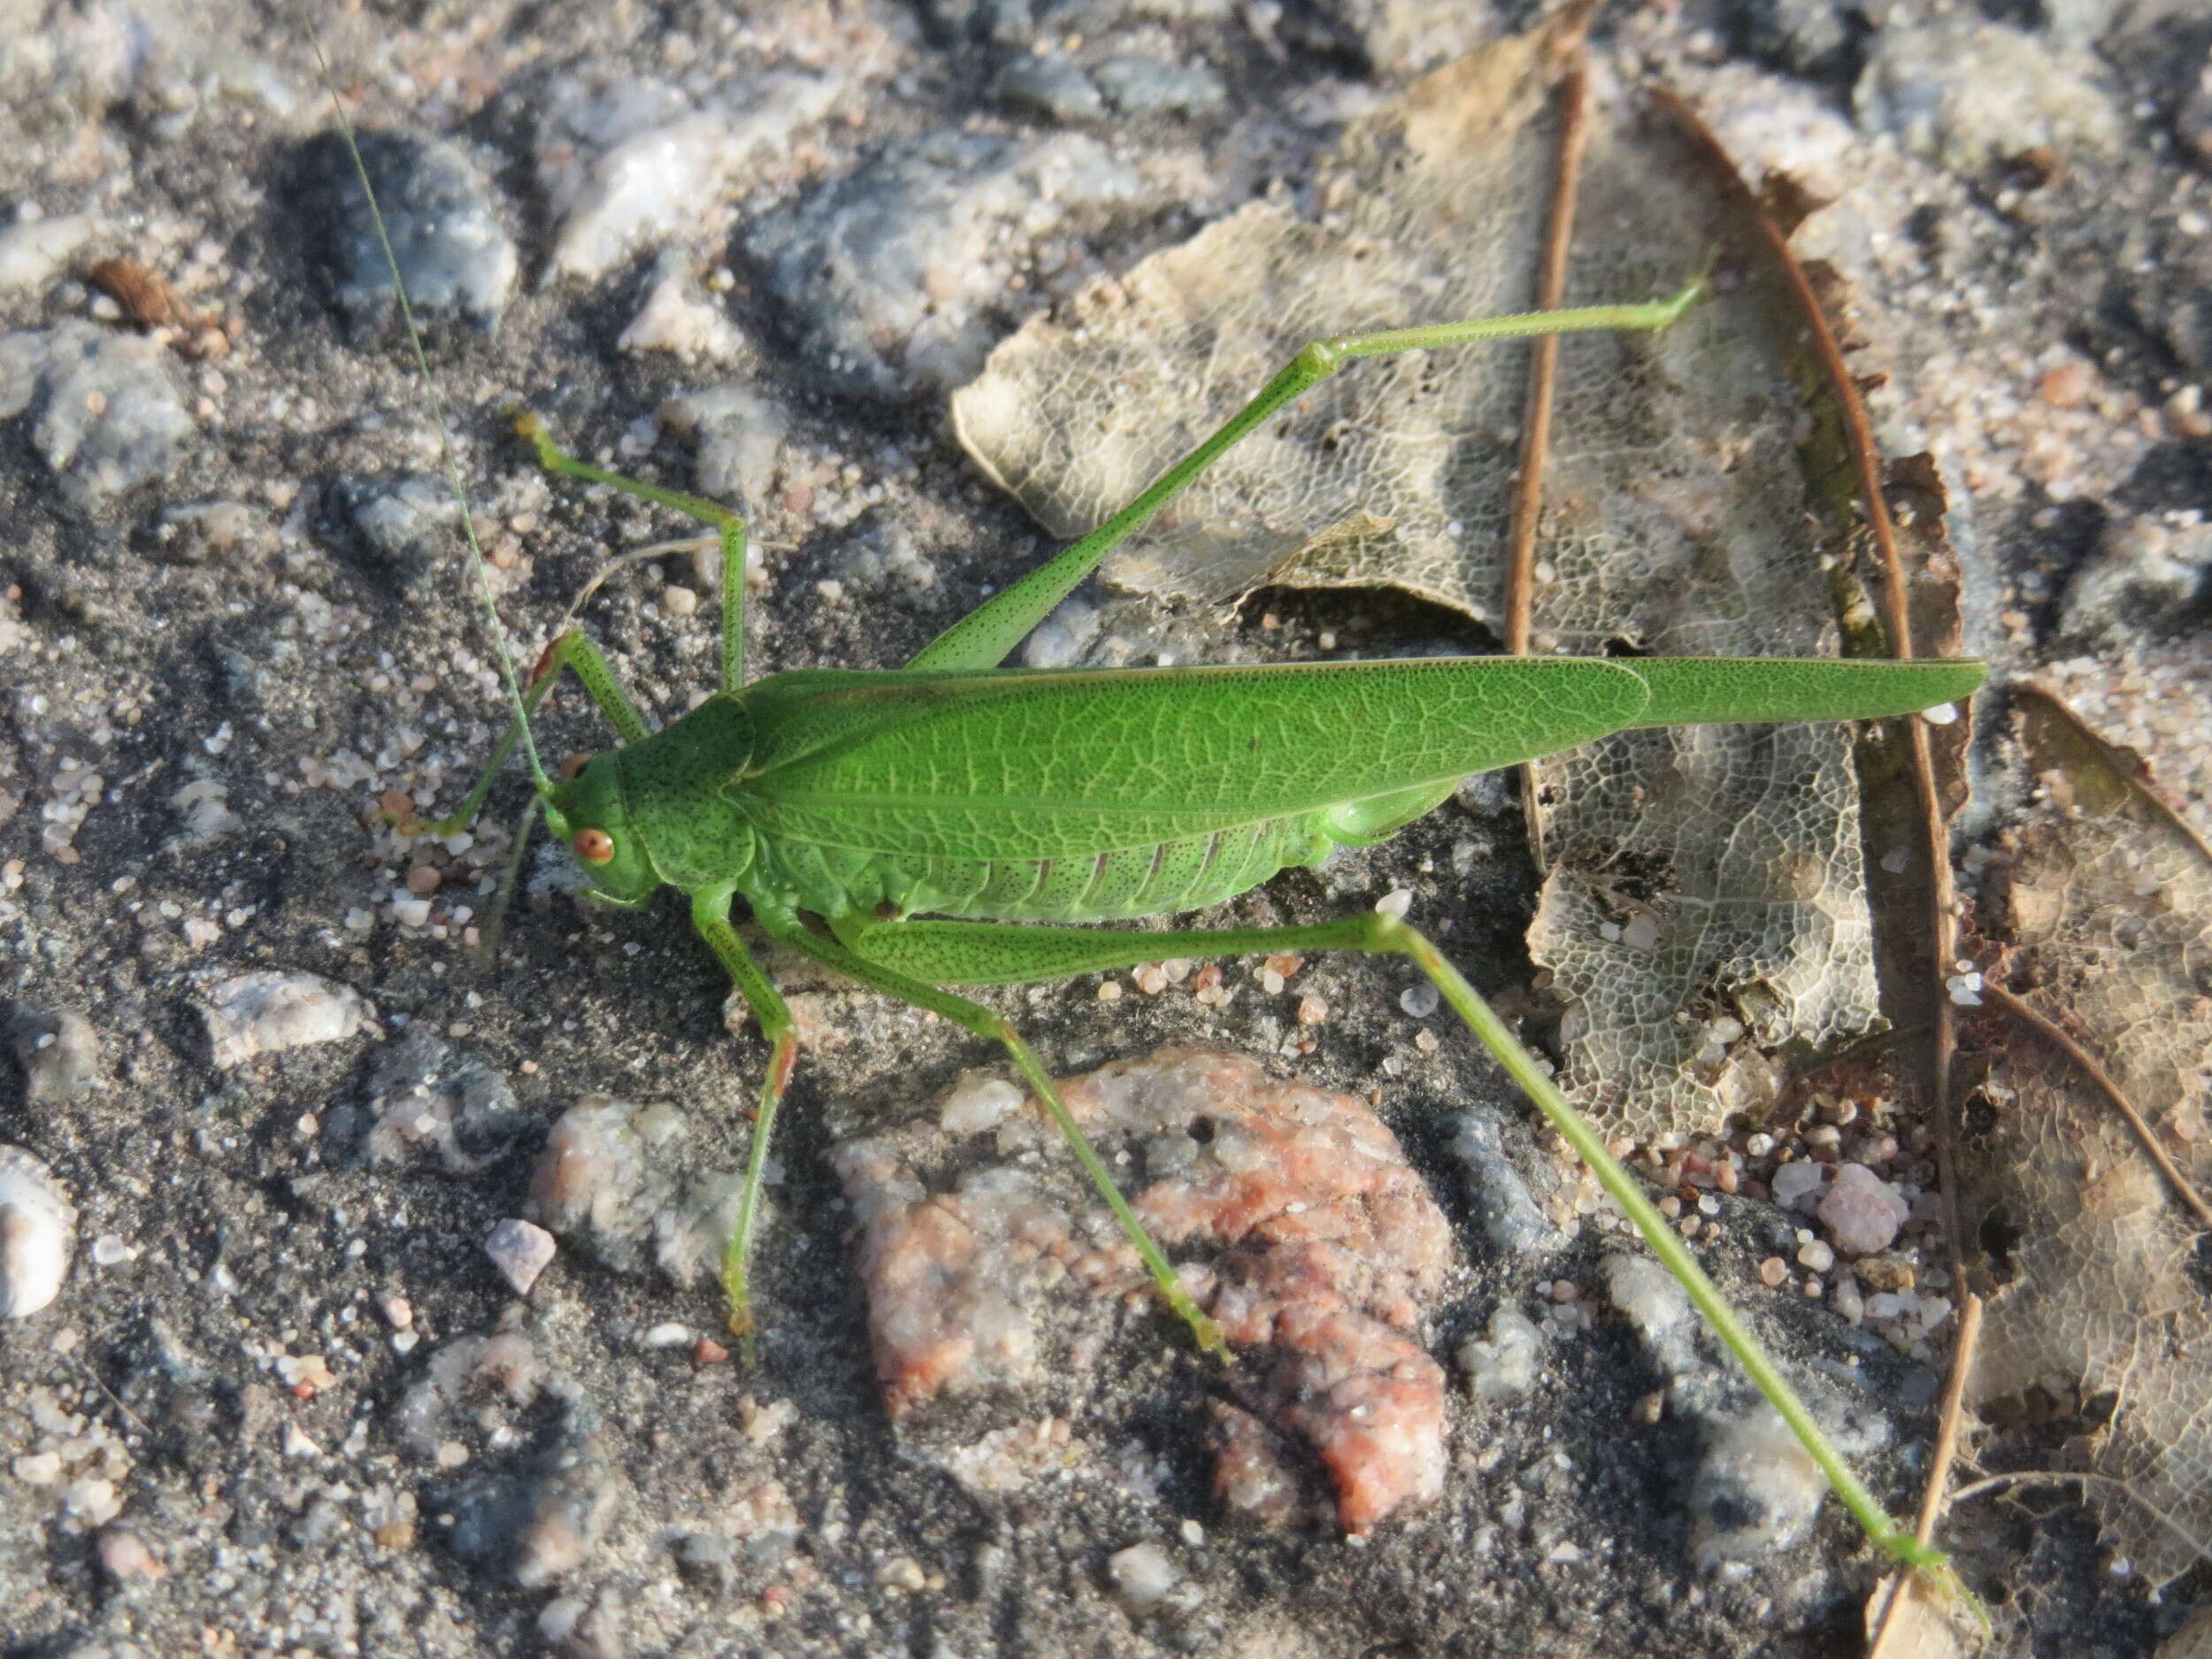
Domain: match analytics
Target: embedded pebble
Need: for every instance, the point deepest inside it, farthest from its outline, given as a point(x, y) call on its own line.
point(37, 1468)
point(625, 166)
point(34, 250)
point(605, 1182)
point(58, 1048)
point(1968, 93)
point(979, 1102)
point(543, 1525)
point(105, 415)
point(427, 1097)
point(1143, 1576)
point(1140, 87)
point(92, 1501)
point(520, 1250)
point(889, 271)
point(1061, 639)
point(1048, 85)
point(404, 526)
point(881, 557)
point(125, 1557)
point(1863, 1213)
point(190, 530)
point(676, 317)
point(507, 1362)
point(1504, 1366)
point(267, 1012)
point(453, 251)
point(590, 1627)
point(1327, 1246)
point(1253, 1480)
point(1796, 1181)
point(1511, 1220)
point(202, 807)
point(1755, 1489)
point(37, 1226)
point(739, 433)
point(2142, 580)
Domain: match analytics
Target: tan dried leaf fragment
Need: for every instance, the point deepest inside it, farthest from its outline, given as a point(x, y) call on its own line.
point(2105, 902)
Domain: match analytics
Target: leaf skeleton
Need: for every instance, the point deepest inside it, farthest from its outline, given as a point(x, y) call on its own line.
point(955, 822)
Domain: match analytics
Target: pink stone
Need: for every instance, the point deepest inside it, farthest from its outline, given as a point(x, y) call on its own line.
point(1862, 1211)
point(1317, 1250)
point(520, 1250)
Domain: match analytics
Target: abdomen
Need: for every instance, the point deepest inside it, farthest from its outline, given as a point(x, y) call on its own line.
point(1160, 877)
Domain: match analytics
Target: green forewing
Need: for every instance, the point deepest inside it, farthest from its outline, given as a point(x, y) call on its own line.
point(1055, 765)
point(1710, 690)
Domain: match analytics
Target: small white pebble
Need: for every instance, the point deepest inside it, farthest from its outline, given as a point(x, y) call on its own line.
point(1395, 903)
point(94, 1502)
point(901, 1572)
point(1863, 1213)
point(36, 1225)
point(1795, 1182)
point(978, 1103)
point(670, 1335)
point(1143, 1576)
point(1420, 1001)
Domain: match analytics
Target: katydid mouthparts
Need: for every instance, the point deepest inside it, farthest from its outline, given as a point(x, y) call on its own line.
point(957, 823)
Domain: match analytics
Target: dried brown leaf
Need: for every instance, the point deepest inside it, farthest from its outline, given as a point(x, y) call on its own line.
point(1715, 870)
point(2104, 904)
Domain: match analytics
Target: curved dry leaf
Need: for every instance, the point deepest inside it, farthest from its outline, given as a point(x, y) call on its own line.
point(1716, 869)
point(2106, 904)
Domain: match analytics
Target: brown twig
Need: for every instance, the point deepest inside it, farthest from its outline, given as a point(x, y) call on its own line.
point(2056, 1034)
point(1897, 616)
point(1543, 376)
point(1948, 1421)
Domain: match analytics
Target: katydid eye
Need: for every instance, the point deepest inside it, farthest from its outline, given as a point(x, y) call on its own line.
point(594, 846)
point(573, 768)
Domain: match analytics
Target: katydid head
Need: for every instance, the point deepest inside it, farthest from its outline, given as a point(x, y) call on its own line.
point(587, 810)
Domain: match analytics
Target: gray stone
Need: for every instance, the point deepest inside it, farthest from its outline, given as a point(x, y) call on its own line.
point(1968, 94)
point(1052, 87)
point(105, 415)
point(453, 251)
point(889, 271)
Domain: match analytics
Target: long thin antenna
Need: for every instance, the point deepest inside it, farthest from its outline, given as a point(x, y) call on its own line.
point(446, 457)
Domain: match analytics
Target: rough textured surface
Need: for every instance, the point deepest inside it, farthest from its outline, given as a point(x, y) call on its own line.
point(1293, 1212)
point(214, 703)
